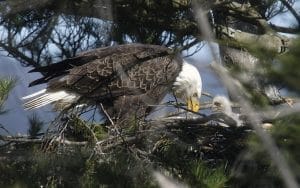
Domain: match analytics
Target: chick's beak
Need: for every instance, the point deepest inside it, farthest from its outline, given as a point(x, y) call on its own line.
point(193, 104)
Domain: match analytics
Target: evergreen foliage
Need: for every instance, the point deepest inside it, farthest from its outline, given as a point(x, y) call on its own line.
point(6, 85)
point(285, 70)
point(35, 126)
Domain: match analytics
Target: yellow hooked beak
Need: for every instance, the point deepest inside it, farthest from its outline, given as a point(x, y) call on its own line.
point(193, 104)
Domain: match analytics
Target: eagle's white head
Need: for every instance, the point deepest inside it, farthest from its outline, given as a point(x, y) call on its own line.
point(188, 86)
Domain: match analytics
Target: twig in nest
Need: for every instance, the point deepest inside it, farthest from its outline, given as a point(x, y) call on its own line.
point(109, 119)
point(207, 94)
point(39, 140)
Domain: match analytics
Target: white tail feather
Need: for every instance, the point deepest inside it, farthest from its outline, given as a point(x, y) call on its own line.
point(42, 98)
point(34, 94)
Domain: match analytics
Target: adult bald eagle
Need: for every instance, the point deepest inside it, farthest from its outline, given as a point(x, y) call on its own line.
point(125, 79)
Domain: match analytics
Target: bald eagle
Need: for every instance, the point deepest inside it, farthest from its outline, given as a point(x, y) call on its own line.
point(124, 78)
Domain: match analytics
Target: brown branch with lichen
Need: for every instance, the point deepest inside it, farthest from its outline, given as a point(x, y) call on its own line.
point(235, 38)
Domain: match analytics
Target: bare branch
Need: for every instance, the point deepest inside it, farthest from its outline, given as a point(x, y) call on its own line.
point(19, 55)
point(292, 10)
point(285, 29)
point(25, 139)
point(280, 112)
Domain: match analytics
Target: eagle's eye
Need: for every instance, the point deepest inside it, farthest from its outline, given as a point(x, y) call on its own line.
point(217, 103)
point(195, 95)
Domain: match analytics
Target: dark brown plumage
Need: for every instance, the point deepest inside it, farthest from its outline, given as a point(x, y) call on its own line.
point(114, 77)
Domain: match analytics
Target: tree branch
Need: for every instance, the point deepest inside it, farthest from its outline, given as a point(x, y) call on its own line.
point(292, 10)
point(269, 41)
point(25, 139)
point(19, 55)
point(285, 29)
